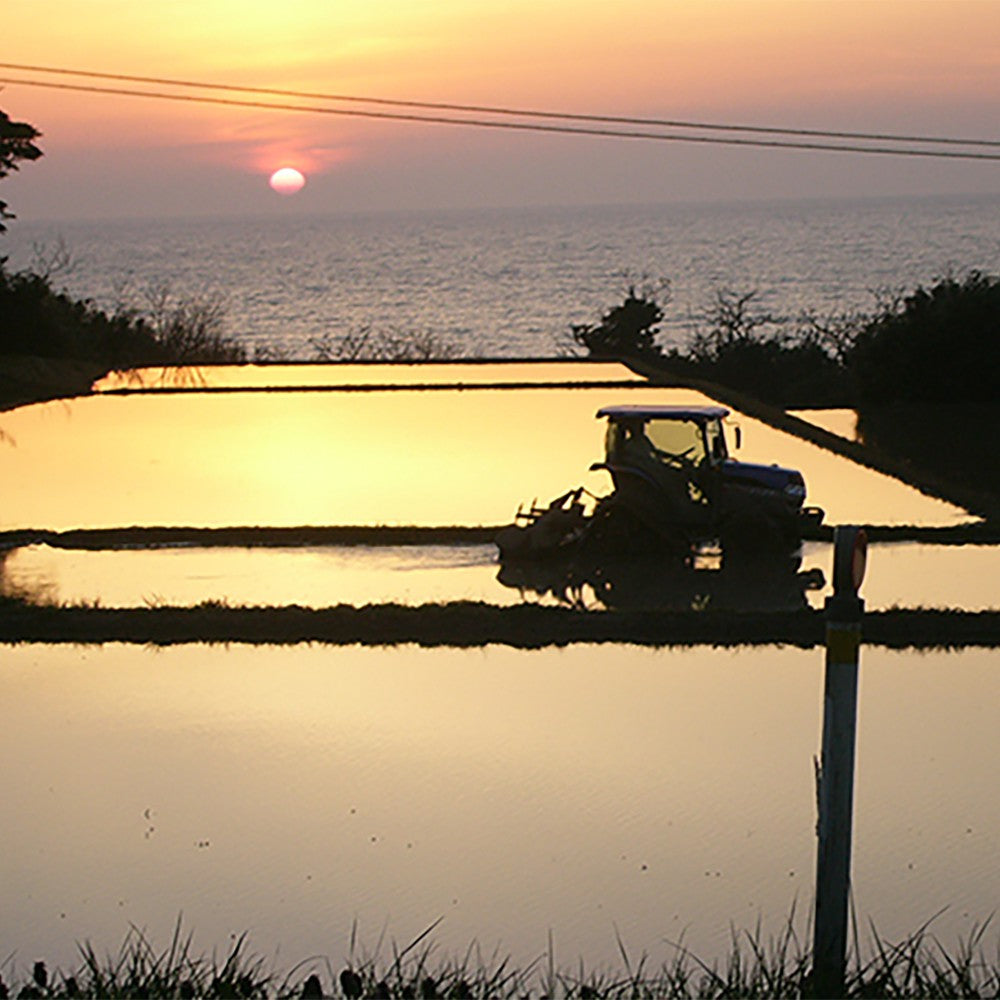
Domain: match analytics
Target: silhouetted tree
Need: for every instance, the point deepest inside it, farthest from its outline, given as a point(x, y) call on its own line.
point(740, 344)
point(937, 344)
point(16, 144)
point(626, 330)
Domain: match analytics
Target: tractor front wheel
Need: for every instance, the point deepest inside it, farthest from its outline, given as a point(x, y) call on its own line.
point(758, 537)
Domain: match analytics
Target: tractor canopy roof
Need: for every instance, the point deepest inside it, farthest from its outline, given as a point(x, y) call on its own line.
point(638, 412)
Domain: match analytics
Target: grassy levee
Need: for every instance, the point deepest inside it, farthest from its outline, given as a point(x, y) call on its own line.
point(471, 623)
point(151, 536)
point(979, 502)
point(28, 379)
point(259, 536)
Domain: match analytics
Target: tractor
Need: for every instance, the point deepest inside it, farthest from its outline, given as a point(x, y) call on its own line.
point(676, 490)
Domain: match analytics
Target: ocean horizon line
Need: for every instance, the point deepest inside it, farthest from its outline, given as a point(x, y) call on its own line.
point(509, 210)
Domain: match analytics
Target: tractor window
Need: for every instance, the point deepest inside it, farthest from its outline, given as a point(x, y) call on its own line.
point(716, 441)
point(613, 441)
point(679, 438)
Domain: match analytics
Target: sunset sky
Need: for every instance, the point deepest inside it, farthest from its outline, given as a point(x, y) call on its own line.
point(901, 66)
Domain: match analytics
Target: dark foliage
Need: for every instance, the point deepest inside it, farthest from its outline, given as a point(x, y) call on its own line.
point(953, 442)
point(16, 144)
point(312, 989)
point(35, 319)
point(735, 344)
point(784, 374)
point(351, 984)
point(753, 967)
point(938, 344)
point(739, 345)
point(625, 331)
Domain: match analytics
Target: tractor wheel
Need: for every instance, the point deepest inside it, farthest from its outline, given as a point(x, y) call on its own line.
point(614, 530)
point(748, 537)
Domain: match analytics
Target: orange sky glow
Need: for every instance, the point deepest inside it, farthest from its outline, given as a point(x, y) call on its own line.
point(892, 65)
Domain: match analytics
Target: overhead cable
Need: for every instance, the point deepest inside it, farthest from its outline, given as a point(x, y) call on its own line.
point(508, 111)
point(520, 126)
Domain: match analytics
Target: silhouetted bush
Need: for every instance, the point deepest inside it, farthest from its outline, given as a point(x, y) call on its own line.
point(734, 343)
point(17, 142)
point(390, 343)
point(937, 344)
point(628, 330)
point(35, 319)
point(740, 345)
point(785, 374)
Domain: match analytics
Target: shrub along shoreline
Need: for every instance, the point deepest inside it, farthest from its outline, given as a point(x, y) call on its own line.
point(54, 346)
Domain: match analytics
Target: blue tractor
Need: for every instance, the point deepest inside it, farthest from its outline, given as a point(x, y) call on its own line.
point(675, 489)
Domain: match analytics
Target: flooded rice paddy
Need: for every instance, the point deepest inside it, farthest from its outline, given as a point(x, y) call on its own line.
point(450, 456)
point(900, 574)
point(211, 448)
point(842, 422)
point(587, 791)
point(291, 791)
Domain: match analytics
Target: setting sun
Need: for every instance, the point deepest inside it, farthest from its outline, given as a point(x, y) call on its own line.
point(287, 180)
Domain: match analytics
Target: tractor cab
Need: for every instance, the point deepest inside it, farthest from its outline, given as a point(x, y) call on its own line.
point(675, 458)
point(676, 436)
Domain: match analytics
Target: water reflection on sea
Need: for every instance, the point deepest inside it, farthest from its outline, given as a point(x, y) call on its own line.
point(290, 791)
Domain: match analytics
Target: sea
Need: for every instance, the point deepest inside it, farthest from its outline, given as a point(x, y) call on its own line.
point(510, 282)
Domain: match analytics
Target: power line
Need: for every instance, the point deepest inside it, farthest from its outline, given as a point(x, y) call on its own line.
point(507, 111)
point(519, 126)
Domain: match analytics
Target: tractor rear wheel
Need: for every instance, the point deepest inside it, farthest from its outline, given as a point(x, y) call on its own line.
point(616, 529)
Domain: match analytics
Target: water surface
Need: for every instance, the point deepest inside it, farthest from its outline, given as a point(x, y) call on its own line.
point(510, 282)
point(837, 421)
point(410, 457)
point(292, 791)
point(899, 574)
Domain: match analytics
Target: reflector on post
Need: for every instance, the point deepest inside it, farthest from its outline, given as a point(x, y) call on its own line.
point(850, 556)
